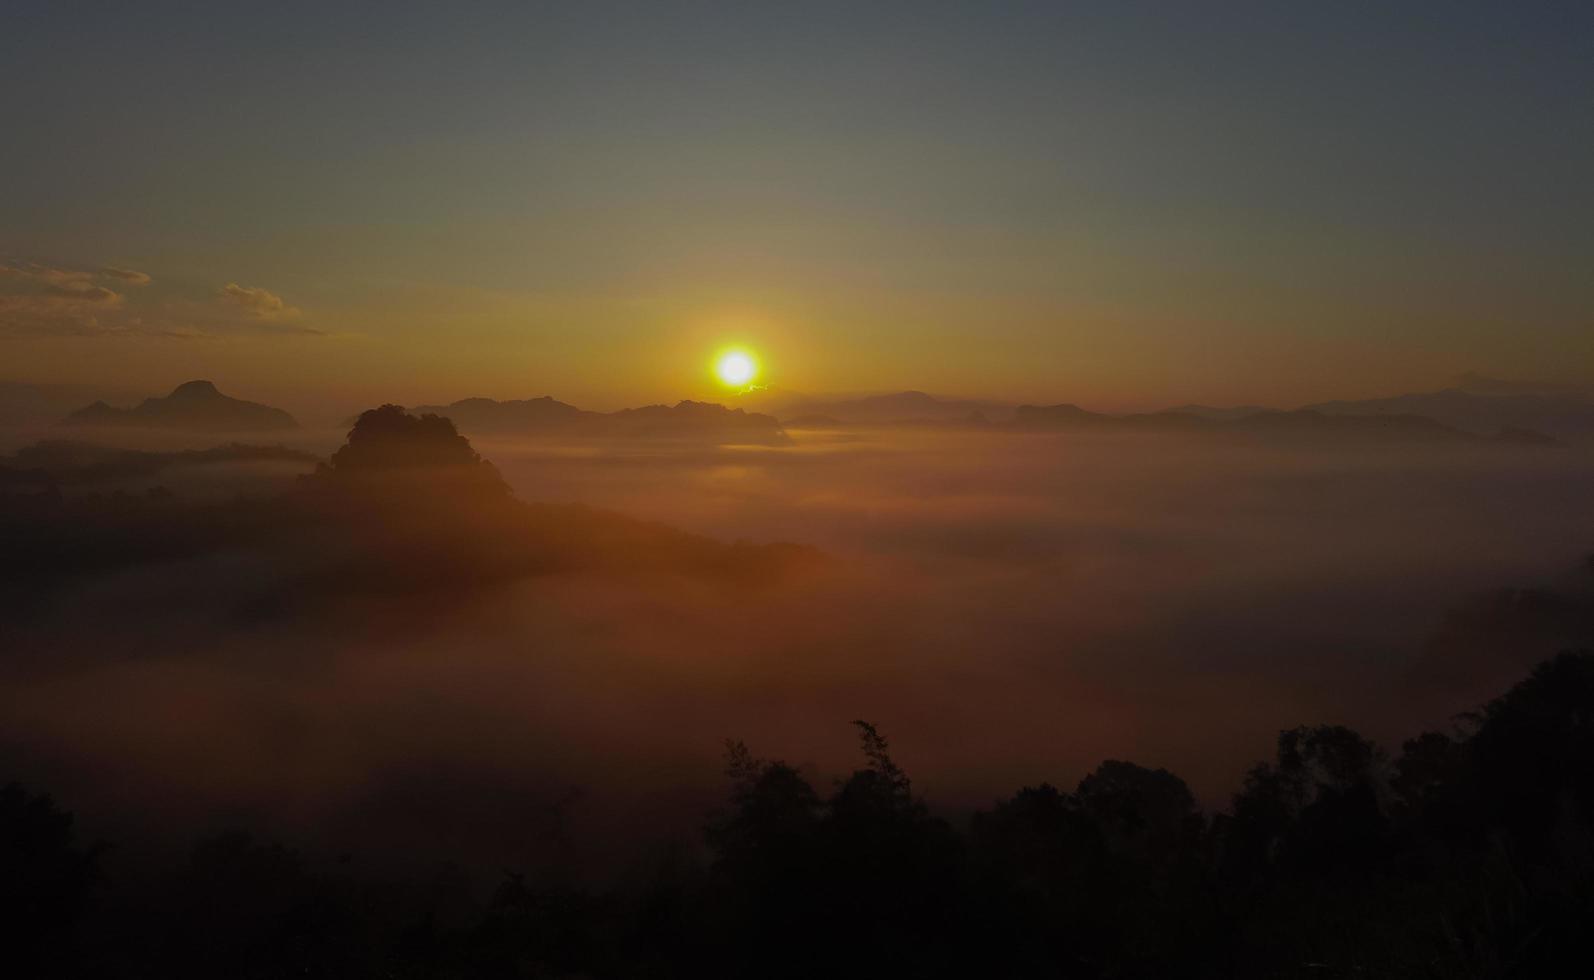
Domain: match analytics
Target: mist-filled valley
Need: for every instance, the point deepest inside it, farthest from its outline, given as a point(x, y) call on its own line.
point(390, 653)
point(244, 646)
point(766, 491)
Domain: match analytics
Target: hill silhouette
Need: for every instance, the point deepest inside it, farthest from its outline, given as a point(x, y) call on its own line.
point(1305, 427)
point(193, 405)
point(1393, 421)
point(22, 403)
point(1210, 412)
point(692, 420)
point(1067, 417)
point(390, 452)
point(1482, 384)
point(406, 505)
point(895, 408)
point(1306, 424)
point(1505, 410)
point(813, 422)
point(685, 421)
point(484, 415)
point(1486, 411)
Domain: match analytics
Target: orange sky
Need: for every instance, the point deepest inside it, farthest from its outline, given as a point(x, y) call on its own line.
point(1035, 204)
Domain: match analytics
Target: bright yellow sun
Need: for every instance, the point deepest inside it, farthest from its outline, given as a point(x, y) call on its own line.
point(736, 368)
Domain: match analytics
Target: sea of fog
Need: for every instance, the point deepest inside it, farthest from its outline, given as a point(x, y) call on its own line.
point(1008, 609)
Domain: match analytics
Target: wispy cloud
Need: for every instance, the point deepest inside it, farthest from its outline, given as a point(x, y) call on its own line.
point(262, 303)
point(43, 300)
point(130, 276)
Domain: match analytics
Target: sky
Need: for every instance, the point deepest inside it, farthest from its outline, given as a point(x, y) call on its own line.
point(1118, 204)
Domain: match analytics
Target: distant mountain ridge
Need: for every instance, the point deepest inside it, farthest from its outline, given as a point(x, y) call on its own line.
point(191, 405)
point(1386, 421)
point(1379, 423)
point(685, 421)
point(25, 403)
point(1474, 403)
point(1560, 416)
point(488, 415)
point(1228, 414)
point(1477, 408)
point(1479, 384)
point(1301, 426)
point(895, 408)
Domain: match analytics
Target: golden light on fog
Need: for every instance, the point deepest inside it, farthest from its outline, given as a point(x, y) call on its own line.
point(736, 368)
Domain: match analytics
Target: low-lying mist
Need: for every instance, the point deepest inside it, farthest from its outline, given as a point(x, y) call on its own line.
point(522, 685)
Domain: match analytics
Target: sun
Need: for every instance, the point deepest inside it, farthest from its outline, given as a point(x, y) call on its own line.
point(736, 368)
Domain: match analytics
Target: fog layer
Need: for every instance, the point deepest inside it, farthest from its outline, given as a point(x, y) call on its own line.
point(1010, 608)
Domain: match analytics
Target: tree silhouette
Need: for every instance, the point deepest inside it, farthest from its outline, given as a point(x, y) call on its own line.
point(405, 454)
point(45, 879)
point(1467, 856)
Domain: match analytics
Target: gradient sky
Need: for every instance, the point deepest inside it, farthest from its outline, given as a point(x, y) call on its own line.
point(1118, 203)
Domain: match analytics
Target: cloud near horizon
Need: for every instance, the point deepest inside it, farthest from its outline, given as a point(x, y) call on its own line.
point(39, 300)
point(258, 302)
point(38, 272)
point(130, 276)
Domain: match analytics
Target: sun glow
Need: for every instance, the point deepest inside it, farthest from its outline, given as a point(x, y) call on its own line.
point(736, 368)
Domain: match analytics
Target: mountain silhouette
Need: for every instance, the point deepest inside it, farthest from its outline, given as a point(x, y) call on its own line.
point(1385, 423)
point(22, 403)
point(1496, 419)
point(686, 421)
point(1306, 426)
point(406, 506)
point(1310, 424)
point(388, 448)
point(896, 408)
point(191, 405)
point(1481, 384)
point(1065, 417)
point(519, 415)
point(1219, 414)
point(1520, 412)
point(1489, 409)
point(689, 419)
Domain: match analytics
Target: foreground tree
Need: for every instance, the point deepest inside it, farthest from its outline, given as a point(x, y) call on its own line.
point(45, 878)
